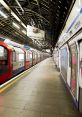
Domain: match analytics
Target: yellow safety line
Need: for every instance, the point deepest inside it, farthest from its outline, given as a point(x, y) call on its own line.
point(12, 82)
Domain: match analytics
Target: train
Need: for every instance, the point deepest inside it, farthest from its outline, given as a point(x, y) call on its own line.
point(14, 60)
point(68, 54)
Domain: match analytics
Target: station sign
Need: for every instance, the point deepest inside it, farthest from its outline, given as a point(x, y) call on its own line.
point(35, 33)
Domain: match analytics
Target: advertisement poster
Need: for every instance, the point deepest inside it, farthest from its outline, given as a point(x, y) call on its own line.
point(64, 62)
point(80, 78)
point(74, 68)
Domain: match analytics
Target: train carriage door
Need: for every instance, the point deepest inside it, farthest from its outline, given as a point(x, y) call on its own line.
point(3, 60)
point(80, 78)
point(74, 70)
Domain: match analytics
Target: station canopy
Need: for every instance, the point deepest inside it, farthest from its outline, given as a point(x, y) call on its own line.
point(47, 16)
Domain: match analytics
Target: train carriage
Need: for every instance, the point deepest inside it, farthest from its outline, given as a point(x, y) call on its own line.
point(39, 56)
point(6, 65)
point(28, 60)
point(18, 60)
point(34, 57)
point(14, 60)
point(75, 45)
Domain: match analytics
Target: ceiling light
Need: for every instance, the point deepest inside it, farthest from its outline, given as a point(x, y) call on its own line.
point(24, 31)
point(16, 25)
point(3, 14)
point(15, 16)
point(4, 4)
point(23, 25)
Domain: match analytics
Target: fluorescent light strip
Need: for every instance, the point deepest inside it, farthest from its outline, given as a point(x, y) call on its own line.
point(16, 25)
point(3, 14)
point(4, 4)
point(23, 25)
point(23, 31)
point(13, 14)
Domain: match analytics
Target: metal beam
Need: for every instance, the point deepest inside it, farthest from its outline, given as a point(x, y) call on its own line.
point(9, 9)
point(33, 12)
point(19, 6)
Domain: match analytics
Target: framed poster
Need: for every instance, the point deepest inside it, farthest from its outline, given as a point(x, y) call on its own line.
point(74, 69)
point(64, 62)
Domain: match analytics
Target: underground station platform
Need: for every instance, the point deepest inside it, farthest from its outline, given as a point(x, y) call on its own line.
point(39, 92)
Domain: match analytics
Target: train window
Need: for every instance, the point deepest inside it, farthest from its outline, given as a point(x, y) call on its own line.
point(3, 60)
point(30, 56)
point(21, 57)
point(3, 53)
point(27, 55)
point(39, 55)
point(35, 56)
point(14, 56)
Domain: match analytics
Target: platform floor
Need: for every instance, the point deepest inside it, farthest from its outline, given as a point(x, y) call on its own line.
point(40, 94)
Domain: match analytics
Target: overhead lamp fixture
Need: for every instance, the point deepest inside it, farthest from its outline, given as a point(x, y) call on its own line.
point(23, 31)
point(15, 16)
point(23, 25)
point(16, 25)
point(12, 13)
point(4, 4)
point(3, 14)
